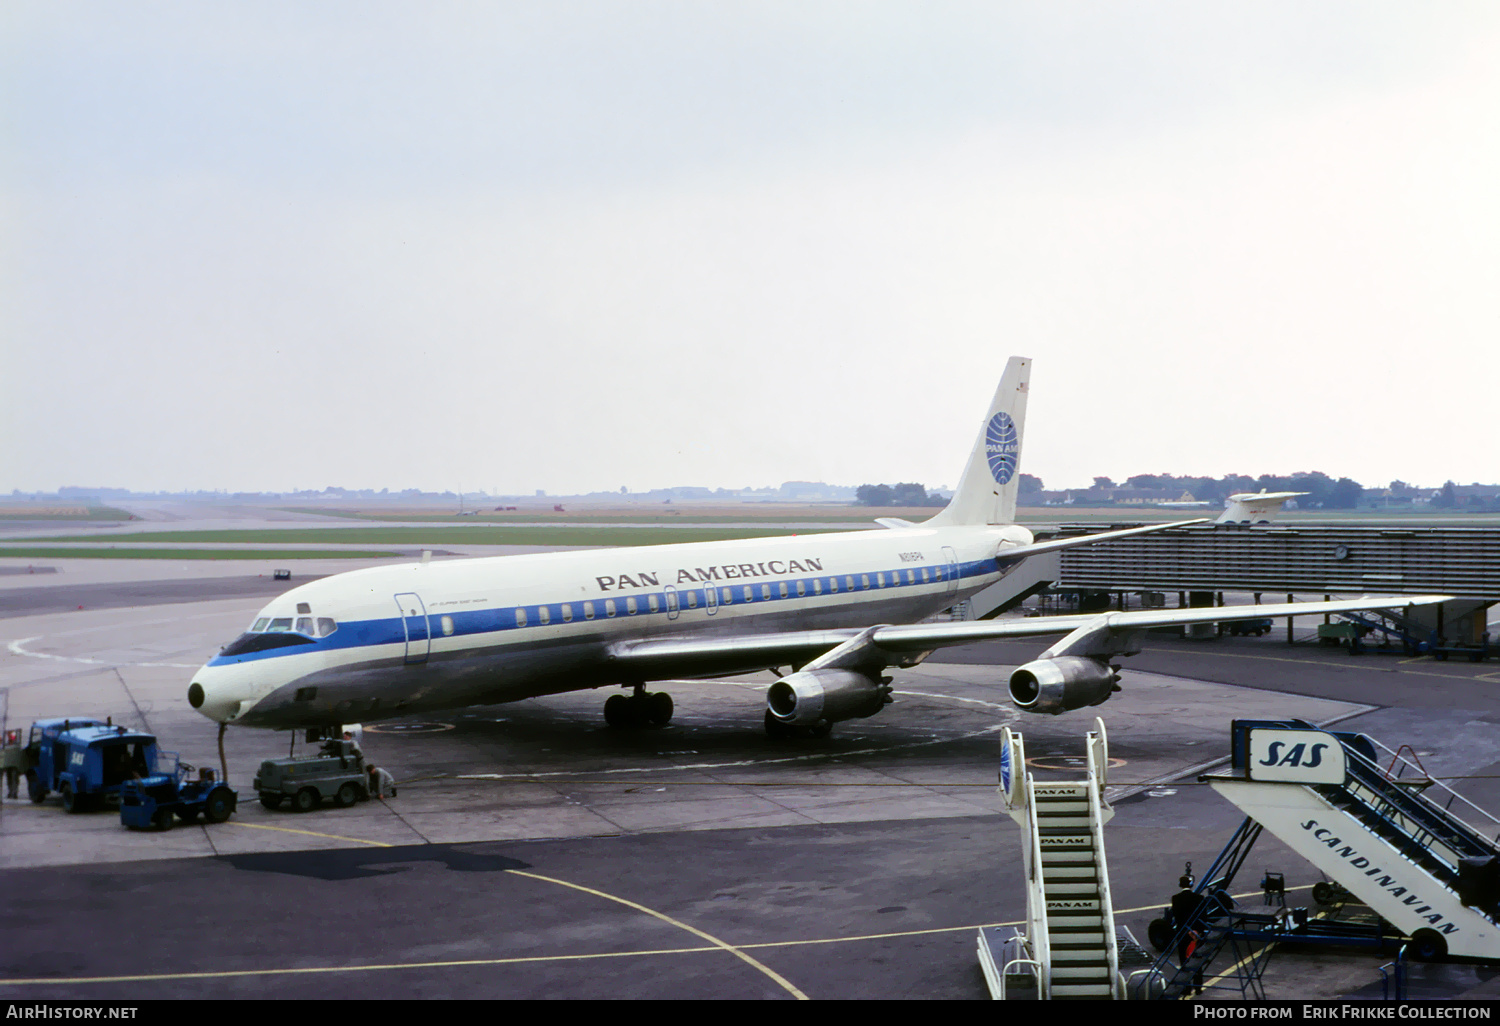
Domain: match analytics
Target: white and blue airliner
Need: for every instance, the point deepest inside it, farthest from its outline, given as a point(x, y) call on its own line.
point(838, 609)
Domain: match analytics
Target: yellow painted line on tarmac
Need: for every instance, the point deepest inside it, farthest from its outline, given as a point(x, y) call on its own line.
point(674, 922)
point(311, 833)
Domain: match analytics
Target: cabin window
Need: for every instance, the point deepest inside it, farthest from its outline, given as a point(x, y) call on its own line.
point(520, 616)
point(544, 614)
point(692, 599)
point(651, 602)
point(817, 585)
point(631, 606)
point(567, 613)
point(765, 592)
point(447, 623)
point(848, 583)
point(749, 593)
point(911, 577)
point(303, 607)
point(864, 582)
point(609, 607)
point(924, 575)
point(833, 585)
point(728, 595)
point(801, 589)
point(588, 610)
point(880, 580)
point(783, 589)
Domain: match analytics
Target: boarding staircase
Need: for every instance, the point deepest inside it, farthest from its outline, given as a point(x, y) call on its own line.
point(1412, 635)
point(1372, 820)
point(1069, 944)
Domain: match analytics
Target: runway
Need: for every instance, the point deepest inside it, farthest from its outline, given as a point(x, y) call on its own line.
point(533, 852)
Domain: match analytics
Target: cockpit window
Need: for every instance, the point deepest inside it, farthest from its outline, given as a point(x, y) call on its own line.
point(326, 626)
point(281, 623)
point(260, 625)
point(247, 643)
point(312, 627)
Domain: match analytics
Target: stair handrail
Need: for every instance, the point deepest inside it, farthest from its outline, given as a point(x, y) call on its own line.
point(1041, 939)
point(1446, 812)
point(1097, 748)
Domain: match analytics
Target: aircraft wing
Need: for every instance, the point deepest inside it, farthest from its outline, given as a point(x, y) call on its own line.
point(1086, 539)
point(1098, 635)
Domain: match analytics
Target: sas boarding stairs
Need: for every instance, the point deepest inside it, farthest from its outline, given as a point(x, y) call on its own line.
point(1069, 947)
point(1415, 851)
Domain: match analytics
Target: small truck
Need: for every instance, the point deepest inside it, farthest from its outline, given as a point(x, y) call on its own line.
point(85, 761)
point(305, 780)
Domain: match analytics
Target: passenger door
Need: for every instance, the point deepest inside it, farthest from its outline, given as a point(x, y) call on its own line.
point(414, 622)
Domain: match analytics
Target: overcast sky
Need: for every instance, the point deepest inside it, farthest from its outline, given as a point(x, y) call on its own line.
point(579, 246)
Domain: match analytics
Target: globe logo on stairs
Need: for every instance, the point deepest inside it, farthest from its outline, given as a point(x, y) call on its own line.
point(1002, 446)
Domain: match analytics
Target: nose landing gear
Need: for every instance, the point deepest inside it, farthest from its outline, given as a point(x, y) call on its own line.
point(641, 709)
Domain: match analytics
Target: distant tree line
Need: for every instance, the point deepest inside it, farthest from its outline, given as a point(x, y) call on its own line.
point(906, 493)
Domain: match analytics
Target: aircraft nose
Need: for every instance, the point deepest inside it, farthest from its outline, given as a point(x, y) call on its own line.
point(212, 702)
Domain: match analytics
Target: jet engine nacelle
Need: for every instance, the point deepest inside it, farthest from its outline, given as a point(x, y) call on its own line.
point(806, 698)
point(1063, 684)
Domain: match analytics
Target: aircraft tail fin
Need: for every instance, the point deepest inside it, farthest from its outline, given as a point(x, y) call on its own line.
point(992, 478)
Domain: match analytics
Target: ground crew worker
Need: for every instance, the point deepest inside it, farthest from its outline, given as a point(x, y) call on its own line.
point(12, 757)
point(382, 784)
point(1185, 906)
point(353, 745)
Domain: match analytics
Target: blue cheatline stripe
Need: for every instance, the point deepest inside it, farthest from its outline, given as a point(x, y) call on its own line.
point(390, 630)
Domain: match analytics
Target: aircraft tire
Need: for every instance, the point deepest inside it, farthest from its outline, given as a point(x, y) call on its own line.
point(617, 711)
point(1159, 933)
point(658, 709)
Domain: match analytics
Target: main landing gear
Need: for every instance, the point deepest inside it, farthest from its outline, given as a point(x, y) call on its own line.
point(640, 709)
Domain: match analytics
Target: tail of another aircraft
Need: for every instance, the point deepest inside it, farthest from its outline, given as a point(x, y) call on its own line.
point(992, 477)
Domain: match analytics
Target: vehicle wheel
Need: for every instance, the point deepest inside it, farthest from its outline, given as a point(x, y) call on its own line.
point(34, 789)
point(617, 711)
point(1322, 892)
point(347, 795)
point(776, 730)
point(163, 819)
point(658, 706)
point(219, 805)
point(69, 799)
point(305, 800)
point(271, 801)
point(1159, 933)
point(1428, 946)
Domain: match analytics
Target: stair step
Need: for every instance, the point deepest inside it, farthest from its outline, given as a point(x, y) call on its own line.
point(1067, 856)
point(1085, 990)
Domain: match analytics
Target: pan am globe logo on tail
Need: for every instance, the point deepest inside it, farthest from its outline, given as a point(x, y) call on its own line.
point(1001, 445)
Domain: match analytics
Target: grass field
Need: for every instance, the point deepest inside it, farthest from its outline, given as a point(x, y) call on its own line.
point(61, 512)
point(448, 534)
point(749, 513)
point(137, 552)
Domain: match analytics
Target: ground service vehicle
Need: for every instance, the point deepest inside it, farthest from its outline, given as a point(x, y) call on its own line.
point(306, 780)
point(155, 800)
point(86, 761)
